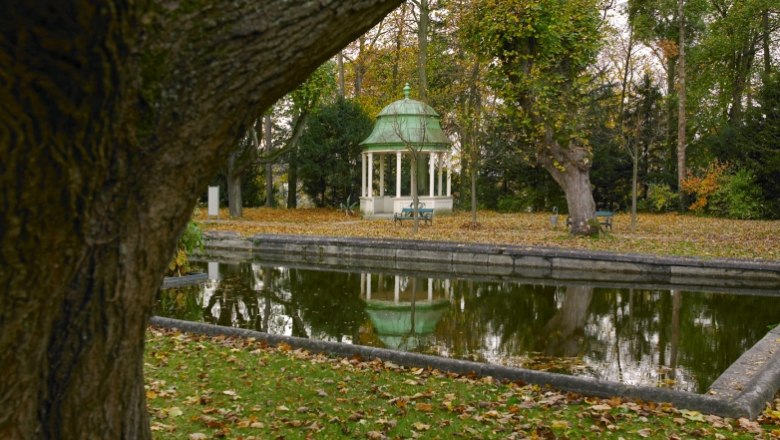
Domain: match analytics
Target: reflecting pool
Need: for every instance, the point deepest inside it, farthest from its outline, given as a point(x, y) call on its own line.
point(642, 336)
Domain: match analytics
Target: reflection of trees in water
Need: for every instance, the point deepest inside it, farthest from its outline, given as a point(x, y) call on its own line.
point(277, 300)
point(637, 335)
point(563, 334)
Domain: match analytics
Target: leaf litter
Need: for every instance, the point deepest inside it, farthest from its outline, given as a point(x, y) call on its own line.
point(279, 392)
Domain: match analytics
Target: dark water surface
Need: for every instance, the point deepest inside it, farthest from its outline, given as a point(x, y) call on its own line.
point(670, 338)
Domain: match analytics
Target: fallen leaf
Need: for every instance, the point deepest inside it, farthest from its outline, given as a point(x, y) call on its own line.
point(645, 433)
point(419, 426)
point(423, 407)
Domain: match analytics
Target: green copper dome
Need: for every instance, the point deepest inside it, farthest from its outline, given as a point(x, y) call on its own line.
point(407, 122)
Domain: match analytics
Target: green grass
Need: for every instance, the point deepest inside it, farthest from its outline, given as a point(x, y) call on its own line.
point(200, 388)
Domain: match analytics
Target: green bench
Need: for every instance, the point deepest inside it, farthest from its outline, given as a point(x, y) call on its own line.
point(426, 215)
point(604, 218)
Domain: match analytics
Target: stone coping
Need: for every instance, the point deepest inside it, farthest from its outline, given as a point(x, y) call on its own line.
point(523, 261)
point(185, 280)
point(759, 387)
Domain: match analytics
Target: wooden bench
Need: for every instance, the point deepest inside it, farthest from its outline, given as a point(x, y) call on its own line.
point(426, 215)
point(604, 218)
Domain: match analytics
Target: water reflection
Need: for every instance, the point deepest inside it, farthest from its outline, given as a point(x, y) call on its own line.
point(671, 338)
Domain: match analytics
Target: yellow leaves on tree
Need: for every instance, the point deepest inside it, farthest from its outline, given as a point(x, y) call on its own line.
point(704, 186)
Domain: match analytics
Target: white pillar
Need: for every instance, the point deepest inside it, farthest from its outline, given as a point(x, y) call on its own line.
point(431, 172)
point(398, 174)
point(370, 174)
point(397, 292)
point(449, 175)
point(362, 285)
point(213, 201)
point(368, 286)
point(447, 287)
point(430, 289)
point(363, 175)
point(440, 160)
point(381, 175)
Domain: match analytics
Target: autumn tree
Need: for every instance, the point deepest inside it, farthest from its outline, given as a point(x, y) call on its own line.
point(115, 116)
point(541, 51)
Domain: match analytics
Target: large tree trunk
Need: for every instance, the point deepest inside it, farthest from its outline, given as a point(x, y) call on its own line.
point(114, 119)
point(570, 168)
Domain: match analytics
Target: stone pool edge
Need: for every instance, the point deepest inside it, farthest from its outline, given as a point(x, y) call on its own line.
point(582, 385)
point(503, 259)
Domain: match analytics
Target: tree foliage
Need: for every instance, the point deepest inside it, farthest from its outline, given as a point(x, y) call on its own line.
point(329, 156)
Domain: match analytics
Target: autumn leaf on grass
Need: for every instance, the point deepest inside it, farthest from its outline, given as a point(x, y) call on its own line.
point(694, 416)
point(420, 426)
point(645, 433)
point(559, 424)
point(423, 407)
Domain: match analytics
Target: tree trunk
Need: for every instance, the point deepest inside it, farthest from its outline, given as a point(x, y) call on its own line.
point(292, 178)
point(765, 38)
point(233, 177)
point(116, 118)
point(415, 194)
point(570, 168)
point(681, 119)
point(422, 41)
point(269, 166)
point(634, 182)
point(399, 40)
point(360, 66)
point(340, 67)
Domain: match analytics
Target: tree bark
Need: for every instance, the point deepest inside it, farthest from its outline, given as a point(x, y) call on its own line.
point(269, 166)
point(765, 38)
point(570, 168)
point(340, 67)
point(422, 41)
point(681, 119)
point(116, 115)
point(233, 177)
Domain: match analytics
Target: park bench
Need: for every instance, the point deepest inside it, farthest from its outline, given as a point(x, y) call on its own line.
point(604, 218)
point(426, 215)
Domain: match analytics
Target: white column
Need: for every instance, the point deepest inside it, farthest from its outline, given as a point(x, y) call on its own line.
point(362, 285)
point(397, 292)
point(363, 175)
point(430, 289)
point(449, 175)
point(381, 175)
point(368, 286)
point(370, 174)
point(447, 288)
point(398, 174)
point(431, 172)
point(440, 160)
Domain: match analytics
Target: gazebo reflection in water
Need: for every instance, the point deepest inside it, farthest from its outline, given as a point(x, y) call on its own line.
point(404, 310)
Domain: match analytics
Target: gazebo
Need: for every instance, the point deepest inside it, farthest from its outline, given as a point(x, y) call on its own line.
point(403, 128)
point(404, 310)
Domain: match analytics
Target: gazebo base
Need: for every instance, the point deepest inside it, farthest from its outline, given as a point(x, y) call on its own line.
point(390, 205)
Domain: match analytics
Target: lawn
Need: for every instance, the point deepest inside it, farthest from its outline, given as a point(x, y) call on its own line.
point(656, 234)
point(200, 387)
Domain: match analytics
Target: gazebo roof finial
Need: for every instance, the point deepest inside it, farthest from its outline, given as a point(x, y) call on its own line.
point(407, 89)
